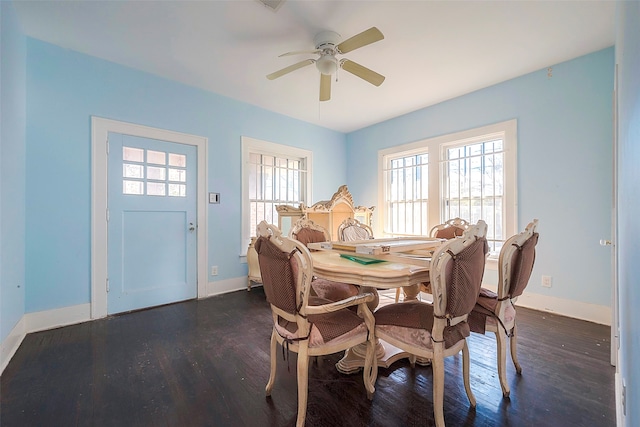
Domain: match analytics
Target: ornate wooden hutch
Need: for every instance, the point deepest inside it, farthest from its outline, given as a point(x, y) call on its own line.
point(326, 213)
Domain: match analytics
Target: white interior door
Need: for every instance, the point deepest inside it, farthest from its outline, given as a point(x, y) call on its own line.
point(152, 220)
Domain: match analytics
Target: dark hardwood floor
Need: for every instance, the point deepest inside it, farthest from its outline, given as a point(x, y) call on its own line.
point(206, 363)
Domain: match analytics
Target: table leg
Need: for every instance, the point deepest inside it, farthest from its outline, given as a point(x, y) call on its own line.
point(411, 292)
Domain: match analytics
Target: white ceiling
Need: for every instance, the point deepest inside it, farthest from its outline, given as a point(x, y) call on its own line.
point(432, 50)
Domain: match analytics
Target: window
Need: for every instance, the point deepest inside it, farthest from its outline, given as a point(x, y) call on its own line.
point(471, 175)
point(408, 194)
point(155, 183)
point(272, 175)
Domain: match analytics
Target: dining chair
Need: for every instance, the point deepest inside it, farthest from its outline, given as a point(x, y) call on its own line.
point(439, 330)
point(306, 231)
point(305, 324)
point(495, 312)
point(351, 229)
point(447, 230)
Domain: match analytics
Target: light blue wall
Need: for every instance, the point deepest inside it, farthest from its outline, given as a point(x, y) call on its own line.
point(564, 163)
point(628, 60)
point(12, 169)
point(64, 89)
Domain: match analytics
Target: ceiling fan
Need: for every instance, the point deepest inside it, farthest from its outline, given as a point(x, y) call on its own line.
point(328, 45)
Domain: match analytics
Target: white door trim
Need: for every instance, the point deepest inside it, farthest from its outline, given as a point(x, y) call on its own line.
point(100, 129)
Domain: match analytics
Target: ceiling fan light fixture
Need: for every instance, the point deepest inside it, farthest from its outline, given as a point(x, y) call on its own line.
point(327, 64)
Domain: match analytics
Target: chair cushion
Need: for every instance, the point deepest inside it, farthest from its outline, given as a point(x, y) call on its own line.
point(333, 291)
point(331, 327)
point(411, 322)
point(488, 293)
point(509, 317)
point(484, 314)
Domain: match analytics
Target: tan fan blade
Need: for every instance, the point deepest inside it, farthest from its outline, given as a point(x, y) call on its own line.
point(366, 37)
point(362, 72)
point(290, 68)
point(325, 87)
point(299, 52)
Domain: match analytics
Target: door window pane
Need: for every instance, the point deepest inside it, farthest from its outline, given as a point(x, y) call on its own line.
point(177, 160)
point(132, 154)
point(156, 157)
point(132, 187)
point(156, 189)
point(179, 175)
point(177, 190)
point(154, 172)
point(132, 171)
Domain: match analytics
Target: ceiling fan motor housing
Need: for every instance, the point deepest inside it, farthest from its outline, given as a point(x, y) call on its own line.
point(327, 40)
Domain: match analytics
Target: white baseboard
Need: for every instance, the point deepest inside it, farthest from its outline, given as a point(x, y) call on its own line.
point(10, 344)
point(225, 286)
point(49, 319)
point(600, 314)
point(40, 321)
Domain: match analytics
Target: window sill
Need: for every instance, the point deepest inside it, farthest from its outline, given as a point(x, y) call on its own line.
point(492, 263)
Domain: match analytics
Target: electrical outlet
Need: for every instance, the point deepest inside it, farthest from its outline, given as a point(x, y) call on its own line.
point(214, 270)
point(546, 281)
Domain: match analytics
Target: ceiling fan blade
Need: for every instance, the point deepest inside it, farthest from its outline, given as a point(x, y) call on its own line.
point(325, 87)
point(299, 52)
point(366, 37)
point(362, 72)
point(290, 68)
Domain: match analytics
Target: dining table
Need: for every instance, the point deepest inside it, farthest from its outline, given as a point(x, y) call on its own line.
point(384, 269)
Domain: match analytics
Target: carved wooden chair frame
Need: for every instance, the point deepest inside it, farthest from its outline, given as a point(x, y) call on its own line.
point(301, 318)
point(352, 222)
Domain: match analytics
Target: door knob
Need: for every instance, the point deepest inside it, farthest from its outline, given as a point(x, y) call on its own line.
point(191, 226)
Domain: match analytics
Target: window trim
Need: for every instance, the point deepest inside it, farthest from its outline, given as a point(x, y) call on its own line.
point(253, 145)
point(436, 147)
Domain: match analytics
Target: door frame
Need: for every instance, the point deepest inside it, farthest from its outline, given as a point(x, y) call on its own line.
point(615, 314)
point(100, 128)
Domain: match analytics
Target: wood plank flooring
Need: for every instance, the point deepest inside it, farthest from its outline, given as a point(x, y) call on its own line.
point(206, 363)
